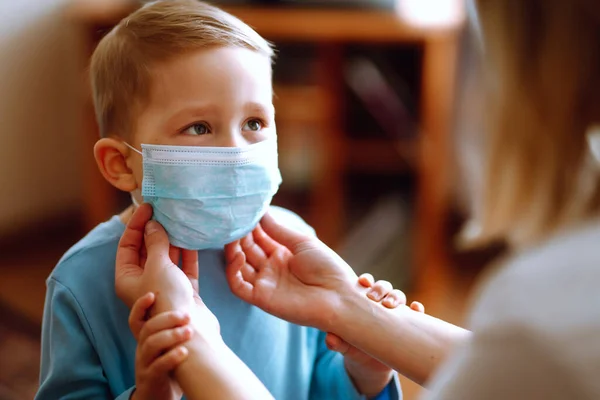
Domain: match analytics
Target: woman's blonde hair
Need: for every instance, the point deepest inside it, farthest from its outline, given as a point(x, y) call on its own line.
point(542, 66)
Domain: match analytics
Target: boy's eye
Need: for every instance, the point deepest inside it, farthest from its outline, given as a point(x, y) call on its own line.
point(254, 125)
point(197, 129)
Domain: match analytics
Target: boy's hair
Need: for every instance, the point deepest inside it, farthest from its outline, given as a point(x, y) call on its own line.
point(121, 64)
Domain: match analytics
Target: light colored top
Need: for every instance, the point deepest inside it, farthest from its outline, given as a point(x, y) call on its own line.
point(88, 351)
point(536, 328)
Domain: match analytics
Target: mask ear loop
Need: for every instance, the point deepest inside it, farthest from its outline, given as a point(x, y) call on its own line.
point(136, 203)
point(133, 148)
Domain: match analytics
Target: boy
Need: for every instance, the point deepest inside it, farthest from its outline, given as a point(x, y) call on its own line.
point(172, 78)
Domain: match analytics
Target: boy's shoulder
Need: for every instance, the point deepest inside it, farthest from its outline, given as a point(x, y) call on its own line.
point(91, 260)
point(291, 220)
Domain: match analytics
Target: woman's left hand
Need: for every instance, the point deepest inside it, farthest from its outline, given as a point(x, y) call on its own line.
point(290, 275)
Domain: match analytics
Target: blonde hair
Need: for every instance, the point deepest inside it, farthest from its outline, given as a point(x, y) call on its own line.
point(122, 63)
point(542, 60)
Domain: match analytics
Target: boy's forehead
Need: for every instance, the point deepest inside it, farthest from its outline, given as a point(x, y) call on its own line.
point(217, 73)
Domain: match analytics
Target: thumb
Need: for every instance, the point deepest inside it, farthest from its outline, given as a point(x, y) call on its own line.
point(286, 236)
point(156, 240)
point(336, 343)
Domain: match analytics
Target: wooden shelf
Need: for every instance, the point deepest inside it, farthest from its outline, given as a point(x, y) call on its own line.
point(99, 12)
point(299, 104)
point(380, 155)
point(333, 25)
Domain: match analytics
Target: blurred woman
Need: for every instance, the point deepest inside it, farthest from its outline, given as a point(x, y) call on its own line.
point(536, 321)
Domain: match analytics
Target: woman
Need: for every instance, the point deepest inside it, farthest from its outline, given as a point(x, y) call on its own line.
point(535, 324)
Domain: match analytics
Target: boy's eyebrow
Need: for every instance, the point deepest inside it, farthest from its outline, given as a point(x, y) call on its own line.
point(205, 109)
point(260, 108)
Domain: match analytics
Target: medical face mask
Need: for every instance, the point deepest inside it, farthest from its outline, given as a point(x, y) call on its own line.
point(206, 197)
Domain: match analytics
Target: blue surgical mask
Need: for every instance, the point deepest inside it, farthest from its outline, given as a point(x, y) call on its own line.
point(206, 197)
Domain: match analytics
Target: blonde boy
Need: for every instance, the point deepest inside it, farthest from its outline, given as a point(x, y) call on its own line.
point(179, 76)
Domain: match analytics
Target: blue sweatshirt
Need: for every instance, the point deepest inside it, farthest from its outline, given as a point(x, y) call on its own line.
point(88, 351)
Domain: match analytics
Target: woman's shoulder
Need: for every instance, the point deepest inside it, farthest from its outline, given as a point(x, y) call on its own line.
point(544, 306)
point(552, 289)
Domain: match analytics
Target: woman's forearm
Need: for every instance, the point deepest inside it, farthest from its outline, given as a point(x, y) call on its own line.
point(213, 371)
point(410, 342)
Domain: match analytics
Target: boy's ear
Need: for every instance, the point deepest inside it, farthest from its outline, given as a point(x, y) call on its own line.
point(111, 157)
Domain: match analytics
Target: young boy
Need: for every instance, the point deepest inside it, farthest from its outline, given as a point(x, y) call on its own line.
point(172, 78)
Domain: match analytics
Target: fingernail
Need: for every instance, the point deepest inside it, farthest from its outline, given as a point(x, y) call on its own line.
point(374, 295)
point(186, 331)
point(391, 303)
point(183, 351)
point(151, 227)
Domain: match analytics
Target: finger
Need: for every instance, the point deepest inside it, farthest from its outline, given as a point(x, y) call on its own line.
point(139, 311)
point(366, 280)
point(162, 342)
point(255, 256)
point(249, 273)
point(335, 343)
point(263, 240)
point(168, 362)
point(394, 299)
point(235, 278)
point(418, 307)
point(163, 321)
point(189, 266)
point(281, 234)
point(379, 290)
point(231, 251)
point(128, 252)
point(156, 239)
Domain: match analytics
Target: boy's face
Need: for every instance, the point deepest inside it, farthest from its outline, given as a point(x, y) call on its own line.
point(218, 97)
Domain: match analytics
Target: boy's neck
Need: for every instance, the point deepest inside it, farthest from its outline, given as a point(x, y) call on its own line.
point(126, 214)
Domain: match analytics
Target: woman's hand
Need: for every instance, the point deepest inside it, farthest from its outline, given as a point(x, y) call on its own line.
point(290, 275)
point(146, 262)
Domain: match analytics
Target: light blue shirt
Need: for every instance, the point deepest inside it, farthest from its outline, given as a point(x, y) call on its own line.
point(88, 351)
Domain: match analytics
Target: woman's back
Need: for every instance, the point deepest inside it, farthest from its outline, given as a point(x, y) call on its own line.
point(536, 326)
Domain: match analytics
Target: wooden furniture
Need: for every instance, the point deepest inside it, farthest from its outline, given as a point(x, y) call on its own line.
point(330, 31)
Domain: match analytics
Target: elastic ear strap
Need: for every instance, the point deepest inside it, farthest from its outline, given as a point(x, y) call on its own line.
point(134, 201)
point(133, 148)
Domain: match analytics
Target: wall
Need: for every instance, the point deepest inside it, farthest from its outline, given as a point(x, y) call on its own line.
point(40, 144)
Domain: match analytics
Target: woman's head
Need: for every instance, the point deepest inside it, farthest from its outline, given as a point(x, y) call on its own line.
point(542, 71)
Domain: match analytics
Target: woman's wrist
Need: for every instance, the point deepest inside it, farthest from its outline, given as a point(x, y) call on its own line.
point(343, 308)
point(410, 342)
point(174, 300)
point(213, 371)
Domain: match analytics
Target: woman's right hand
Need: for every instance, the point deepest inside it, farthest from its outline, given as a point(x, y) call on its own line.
point(293, 276)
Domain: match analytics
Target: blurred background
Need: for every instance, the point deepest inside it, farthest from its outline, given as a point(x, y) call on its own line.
point(377, 114)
